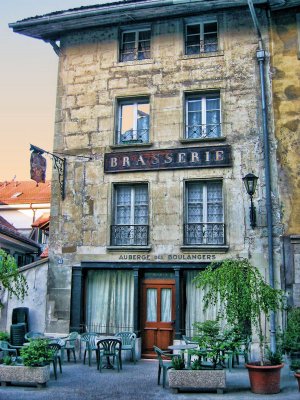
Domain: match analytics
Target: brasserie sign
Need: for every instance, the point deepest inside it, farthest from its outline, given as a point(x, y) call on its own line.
point(150, 160)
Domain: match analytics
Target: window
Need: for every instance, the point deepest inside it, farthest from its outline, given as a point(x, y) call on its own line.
point(204, 214)
point(133, 122)
point(135, 45)
point(201, 38)
point(203, 116)
point(130, 216)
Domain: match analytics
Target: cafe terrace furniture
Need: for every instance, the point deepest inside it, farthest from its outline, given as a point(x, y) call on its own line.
point(90, 340)
point(107, 348)
point(55, 347)
point(164, 363)
point(7, 349)
point(33, 335)
point(128, 340)
point(69, 345)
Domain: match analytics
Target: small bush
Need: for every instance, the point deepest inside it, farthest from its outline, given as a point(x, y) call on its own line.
point(37, 353)
point(4, 336)
point(177, 363)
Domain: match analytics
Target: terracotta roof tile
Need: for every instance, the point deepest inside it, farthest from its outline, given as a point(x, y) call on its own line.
point(42, 220)
point(20, 192)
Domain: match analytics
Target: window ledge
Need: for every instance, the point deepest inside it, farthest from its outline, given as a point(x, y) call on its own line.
point(122, 146)
point(129, 248)
point(218, 139)
point(219, 53)
point(134, 62)
point(206, 248)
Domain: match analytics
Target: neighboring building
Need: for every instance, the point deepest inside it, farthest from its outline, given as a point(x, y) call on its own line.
point(40, 232)
point(285, 34)
point(23, 249)
point(23, 202)
point(165, 100)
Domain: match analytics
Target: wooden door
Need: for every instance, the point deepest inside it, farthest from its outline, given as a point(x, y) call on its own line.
point(158, 315)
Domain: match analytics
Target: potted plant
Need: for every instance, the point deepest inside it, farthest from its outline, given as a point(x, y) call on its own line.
point(207, 369)
point(35, 369)
point(245, 299)
point(297, 376)
point(291, 338)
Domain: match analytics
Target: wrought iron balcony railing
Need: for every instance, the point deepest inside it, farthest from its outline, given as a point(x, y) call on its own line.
point(210, 233)
point(203, 131)
point(129, 235)
point(133, 136)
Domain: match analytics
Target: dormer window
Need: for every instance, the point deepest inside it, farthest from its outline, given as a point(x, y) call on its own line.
point(135, 45)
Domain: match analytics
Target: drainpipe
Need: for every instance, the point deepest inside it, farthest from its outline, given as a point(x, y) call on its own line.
point(261, 57)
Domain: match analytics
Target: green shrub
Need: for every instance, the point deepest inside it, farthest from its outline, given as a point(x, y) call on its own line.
point(177, 363)
point(291, 337)
point(4, 336)
point(37, 353)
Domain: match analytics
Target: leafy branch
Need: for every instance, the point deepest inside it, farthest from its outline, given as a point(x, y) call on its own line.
point(242, 292)
point(10, 277)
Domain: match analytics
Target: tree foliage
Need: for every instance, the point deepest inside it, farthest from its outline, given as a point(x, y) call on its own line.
point(10, 277)
point(242, 292)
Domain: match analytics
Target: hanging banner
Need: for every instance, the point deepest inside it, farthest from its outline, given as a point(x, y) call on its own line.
point(38, 167)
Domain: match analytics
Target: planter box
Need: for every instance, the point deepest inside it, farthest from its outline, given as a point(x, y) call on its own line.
point(197, 379)
point(21, 374)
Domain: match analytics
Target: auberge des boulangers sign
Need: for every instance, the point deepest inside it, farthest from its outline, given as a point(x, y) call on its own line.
point(150, 160)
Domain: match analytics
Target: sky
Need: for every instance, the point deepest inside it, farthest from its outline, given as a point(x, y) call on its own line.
point(28, 78)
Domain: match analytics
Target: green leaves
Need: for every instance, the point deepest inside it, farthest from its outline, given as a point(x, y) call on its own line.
point(37, 353)
point(242, 292)
point(10, 277)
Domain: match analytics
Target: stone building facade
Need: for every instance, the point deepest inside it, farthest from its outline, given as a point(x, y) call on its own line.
point(159, 117)
point(285, 34)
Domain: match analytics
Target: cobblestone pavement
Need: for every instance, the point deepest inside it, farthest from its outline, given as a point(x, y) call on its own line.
point(135, 382)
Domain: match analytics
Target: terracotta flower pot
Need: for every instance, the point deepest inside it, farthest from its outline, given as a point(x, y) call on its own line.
point(297, 376)
point(264, 379)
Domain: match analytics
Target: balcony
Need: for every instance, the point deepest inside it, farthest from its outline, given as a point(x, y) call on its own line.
point(129, 235)
point(210, 233)
point(203, 131)
point(133, 136)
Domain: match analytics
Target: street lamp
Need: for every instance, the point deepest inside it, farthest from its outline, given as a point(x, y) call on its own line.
point(250, 181)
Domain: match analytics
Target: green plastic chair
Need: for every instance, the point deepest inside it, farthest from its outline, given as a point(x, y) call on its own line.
point(109, 348)
point(90, 339)
point(55, 347)
point(69, 345)
point(164, 363)
point(188, 340)
point(8, 349)
point(128, 340)
point(33, 335)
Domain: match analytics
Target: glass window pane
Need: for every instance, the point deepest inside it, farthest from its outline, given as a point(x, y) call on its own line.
point(194, 105)
point(193, 29)
point(151, 305)
point(210, 27)
point(128, 37)
point(212, 103)
point(143, 122)
point(127, 122)
point(166, 305)
point(144, 35)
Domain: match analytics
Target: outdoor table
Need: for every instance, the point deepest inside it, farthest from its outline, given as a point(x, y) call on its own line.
point(182, 348)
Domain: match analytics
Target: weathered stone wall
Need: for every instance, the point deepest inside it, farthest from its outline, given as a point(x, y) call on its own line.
point(285, 35)
point(286, 102)
point(90, 81)
point(36, 275)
